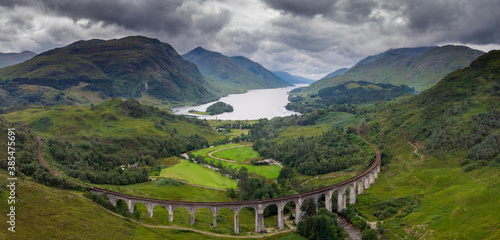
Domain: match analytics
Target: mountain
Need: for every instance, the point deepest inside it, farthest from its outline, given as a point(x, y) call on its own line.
point(412, 52)
point(338, 72)
point(235, 74)
point(7, 59)
point(131, 67)
point(421, 67)
point(292, 79)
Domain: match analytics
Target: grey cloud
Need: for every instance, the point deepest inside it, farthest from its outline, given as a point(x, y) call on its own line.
point(346, 11)
point(456, 21)
point(173, 16)
point(312, 37)
point(297, 7)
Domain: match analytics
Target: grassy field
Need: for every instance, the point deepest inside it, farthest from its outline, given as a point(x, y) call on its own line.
point(237, 154)
point(48, 213)
point(267, 171)
point(197, 174)
point(454, 204)
point(204, 152)
point(236, 132)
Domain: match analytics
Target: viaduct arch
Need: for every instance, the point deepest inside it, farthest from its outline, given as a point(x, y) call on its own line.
point(356, 185)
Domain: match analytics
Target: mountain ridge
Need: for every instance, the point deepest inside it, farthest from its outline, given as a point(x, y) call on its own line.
point(130, 67)
point(236, 74)
point(335, 73)
point(421, 68)
point(292, 79)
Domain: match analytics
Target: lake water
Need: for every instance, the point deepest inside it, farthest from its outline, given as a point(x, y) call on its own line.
point(254, 104)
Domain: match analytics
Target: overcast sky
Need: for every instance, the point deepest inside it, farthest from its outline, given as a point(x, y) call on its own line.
point(309, 38)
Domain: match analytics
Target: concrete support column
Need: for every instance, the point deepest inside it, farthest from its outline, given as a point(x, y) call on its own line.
point(170, 213)
point(360, 186)
point(378, 168)
point(150, 207)
point(236, 222)
point(281, 221)
point(130, 206)
point(214, 216)
point(298, 211)
point(259, 218)
point(372, 179)
point(367, 182)
point(375, 173)
point(315, 199)
point(352, 193)
point(341, 203)
point(192, 215)
point(214, 219)
point(328, 200)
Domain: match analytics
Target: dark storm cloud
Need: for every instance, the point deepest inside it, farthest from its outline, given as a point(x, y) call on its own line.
point(347, 11)
point(166, 16)
point(474, 22)
point(297, 7)
point(307, 37)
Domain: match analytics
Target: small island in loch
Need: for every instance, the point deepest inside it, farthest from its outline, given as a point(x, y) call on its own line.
point(215, 109)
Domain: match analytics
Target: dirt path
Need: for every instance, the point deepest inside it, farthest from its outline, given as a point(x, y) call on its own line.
point(416, 152)
point(182, 228)
point(40, 143)
point(289, 224)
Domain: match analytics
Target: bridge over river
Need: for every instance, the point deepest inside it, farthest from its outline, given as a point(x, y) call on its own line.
point(352, 186)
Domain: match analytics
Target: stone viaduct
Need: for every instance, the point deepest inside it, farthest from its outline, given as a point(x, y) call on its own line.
point(354, 185)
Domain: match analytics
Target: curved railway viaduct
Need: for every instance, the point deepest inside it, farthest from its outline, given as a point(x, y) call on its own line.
point(352, 186)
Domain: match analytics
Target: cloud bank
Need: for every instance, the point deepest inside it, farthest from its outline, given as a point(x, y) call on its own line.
point(308, 38)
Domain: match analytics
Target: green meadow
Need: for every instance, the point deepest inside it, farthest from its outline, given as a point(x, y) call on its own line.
point(204, 152)
point(241, 154)
point(198, 174)
point(267, 171)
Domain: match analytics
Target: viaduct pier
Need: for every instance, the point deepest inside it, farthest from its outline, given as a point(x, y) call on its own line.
point(352, 186)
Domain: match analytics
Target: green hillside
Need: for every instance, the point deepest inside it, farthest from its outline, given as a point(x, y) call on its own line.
point(233, 74)
point(420, 69)
point(113, 118)
point(131, 67)
point(453, 191)
point(336, 72)
point(116, 142)
point(350, 93)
